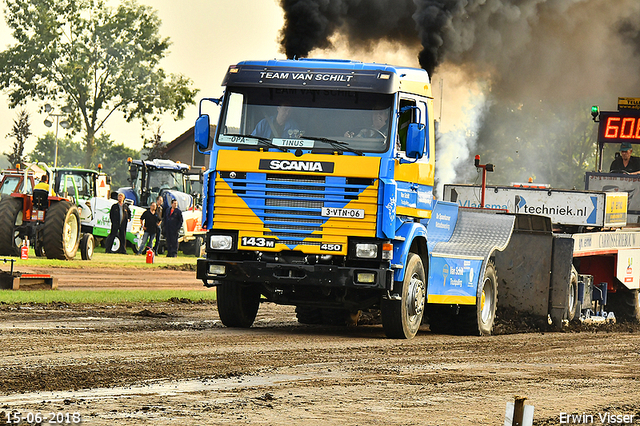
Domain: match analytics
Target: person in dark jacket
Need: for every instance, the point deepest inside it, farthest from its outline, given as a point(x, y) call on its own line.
point(172, 225)
point(160, 214)
point(626, 162)
point(149, 223)
point(120, 216)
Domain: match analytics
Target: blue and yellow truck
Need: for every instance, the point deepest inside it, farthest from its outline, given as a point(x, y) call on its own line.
point(319, 194)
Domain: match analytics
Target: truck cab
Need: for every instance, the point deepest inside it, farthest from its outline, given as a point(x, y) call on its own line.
point(316, 207)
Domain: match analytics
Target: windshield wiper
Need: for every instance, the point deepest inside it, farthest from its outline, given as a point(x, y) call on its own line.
point(339, 145)
point(262, 139)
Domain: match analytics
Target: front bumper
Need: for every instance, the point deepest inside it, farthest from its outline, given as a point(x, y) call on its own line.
point(318, 275)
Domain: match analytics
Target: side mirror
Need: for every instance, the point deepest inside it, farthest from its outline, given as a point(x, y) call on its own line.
point(416, 140)
point(201, 132)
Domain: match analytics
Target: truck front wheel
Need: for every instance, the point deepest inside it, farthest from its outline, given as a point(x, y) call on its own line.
point(237, 304)
point(401, 319)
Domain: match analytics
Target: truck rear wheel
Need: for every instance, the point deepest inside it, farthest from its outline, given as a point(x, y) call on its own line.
point(479, 319)
point(237, 304)
point(401, 319)
point(10, 220)
point(61, 231)
point(625, 304)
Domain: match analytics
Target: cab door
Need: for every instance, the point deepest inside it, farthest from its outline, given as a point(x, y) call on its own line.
point(415, 178)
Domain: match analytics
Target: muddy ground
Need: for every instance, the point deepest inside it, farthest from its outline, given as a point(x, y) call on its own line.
point(173, 363)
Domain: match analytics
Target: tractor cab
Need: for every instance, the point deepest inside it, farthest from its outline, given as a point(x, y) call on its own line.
point(617, 129)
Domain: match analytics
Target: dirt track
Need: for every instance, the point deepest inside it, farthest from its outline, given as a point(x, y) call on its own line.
point(174, 363)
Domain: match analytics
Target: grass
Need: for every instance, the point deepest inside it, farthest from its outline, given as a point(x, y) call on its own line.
point(110, 297)
point(102, 260)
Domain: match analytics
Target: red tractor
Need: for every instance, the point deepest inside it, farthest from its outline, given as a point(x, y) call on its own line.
point(50, 222)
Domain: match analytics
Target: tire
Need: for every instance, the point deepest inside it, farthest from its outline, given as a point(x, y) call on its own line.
point(10, 220)
point(572, 296)
point(307, 315)
point(115, 245)
point(38, 249)
point(625, 304)
point(197, 246)
point(61, 231)
point(401, 319)
point(237, 304)
point(479, 319)
point(87, 244)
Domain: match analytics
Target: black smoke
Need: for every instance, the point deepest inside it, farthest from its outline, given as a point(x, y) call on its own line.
point(309, 24)
point(539, 62)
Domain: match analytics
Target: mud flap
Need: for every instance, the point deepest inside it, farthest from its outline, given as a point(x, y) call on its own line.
point(457, 258)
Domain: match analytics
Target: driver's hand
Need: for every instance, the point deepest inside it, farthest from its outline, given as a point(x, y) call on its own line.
point(349, 134)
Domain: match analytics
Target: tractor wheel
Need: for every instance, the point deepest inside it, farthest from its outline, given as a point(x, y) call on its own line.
point(237, 304)
point(87, 244)
point(198, 246)
point(61, 231)
point(401, 319)
point(10, 220)
point(479, 319)
point(625, 304)
point(38, 249)
point(572, 297)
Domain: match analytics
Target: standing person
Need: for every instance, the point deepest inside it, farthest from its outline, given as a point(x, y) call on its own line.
point(149, 222)
point(160, 215)
point(120, 216)
point(172, 224)
point(626, 162)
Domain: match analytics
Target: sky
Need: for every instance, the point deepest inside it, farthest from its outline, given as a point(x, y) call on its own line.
point(207, 36)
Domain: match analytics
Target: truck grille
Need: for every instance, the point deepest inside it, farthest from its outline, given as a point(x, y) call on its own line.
point(290, 206)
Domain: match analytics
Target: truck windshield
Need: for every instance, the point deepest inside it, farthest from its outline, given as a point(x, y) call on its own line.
point(307, 119)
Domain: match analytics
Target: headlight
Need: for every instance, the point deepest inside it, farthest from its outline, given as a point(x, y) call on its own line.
point(217, 269)
point(367, 251)
point(221, 242)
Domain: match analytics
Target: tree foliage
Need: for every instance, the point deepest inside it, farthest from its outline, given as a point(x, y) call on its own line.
point(112, 156)
point(154, 146)
point(554, 145)
point(93, 58)
point(20, 131)
point(70, 153)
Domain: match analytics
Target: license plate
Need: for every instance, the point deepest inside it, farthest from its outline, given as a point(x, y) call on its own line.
point(348, 213)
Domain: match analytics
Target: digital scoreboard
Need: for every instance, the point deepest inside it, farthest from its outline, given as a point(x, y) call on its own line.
point(619, 126)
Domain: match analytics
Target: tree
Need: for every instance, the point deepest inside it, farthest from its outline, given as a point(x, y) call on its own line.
point(552, 144)
point(70, 153)
point(93, 58)
point(154, 146)
point(113, 158)
point(21, 131)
